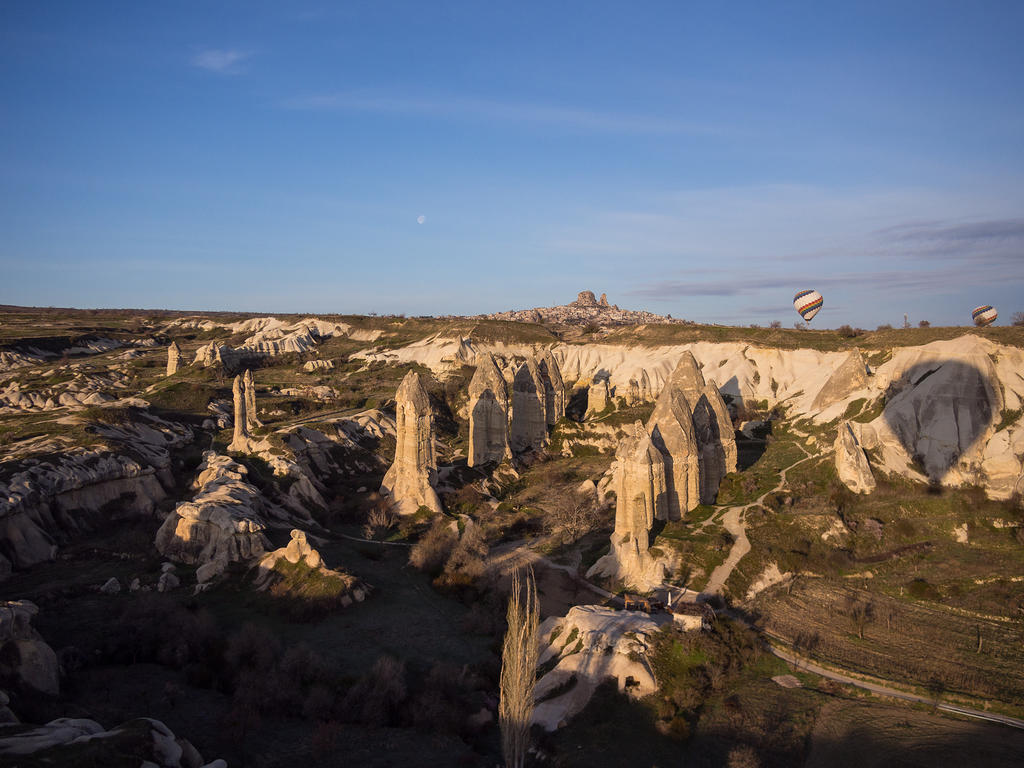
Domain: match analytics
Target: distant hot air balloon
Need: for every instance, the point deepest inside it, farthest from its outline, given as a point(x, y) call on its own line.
point(985, 315)
point(808, 303)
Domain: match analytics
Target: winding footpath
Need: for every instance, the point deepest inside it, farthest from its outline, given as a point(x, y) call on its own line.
point(735, 524)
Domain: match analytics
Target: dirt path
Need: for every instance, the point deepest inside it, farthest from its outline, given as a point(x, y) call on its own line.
point(735, 524)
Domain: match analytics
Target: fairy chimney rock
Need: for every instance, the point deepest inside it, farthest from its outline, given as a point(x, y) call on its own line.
point(410, 480)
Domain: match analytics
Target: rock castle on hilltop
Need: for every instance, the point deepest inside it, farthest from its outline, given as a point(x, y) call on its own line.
point(584, 310)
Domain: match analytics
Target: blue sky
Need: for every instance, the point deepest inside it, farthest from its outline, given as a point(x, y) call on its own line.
point(701, 159)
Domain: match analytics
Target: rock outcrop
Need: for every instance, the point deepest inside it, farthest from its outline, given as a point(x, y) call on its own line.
point(25, 658)
point(224, 522)
point(633, 392)
point(672, 432)
point(252, 419)
point(410, 480)
point(313, 366)
point(715, 439)
point(67, 741)
point(173, 358)
point(640, 499)
point(61, 497)
point(597, 397)
point(529, 425)
point(849, 377)
point(345, 588)
point(488, 414)
point(240, 440)
point(554, 388)
point(851, 462)
point(591, 644)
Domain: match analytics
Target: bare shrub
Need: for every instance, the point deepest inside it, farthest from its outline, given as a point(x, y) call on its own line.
point(1017, 319)
point(924, 324)
point(519, 670)
point(776, 324)
point(379, 520)
point(375, 698)
point(743, 756)
point(253, 648)
point(430, 553)
point(466, 563)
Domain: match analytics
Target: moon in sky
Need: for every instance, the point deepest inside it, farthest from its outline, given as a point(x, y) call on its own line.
point(420, 219)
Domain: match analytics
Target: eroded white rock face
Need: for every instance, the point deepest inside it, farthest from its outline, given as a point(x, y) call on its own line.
point(318, 365)
point(554, 388)
point(821, 385)
point(410, 480)
point(488, 414)
point(597, 397)
point(848, 378)
point(529, 425)
point(671, 429)
point(945, 400)
point(59, 497)
point(223, 523)
point(592, 644)
point(851, 462)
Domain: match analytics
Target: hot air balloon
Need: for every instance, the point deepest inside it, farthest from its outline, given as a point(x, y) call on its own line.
point(808, 303)
point(985, 315)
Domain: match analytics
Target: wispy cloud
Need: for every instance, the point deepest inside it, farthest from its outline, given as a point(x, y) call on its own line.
point(223, 61)
point(497, 111)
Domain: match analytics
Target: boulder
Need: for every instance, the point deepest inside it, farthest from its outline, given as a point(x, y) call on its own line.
point(24, 655)
point(111, 586)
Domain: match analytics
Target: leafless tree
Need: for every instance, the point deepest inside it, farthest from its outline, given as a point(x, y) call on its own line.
point(519, 669)
point(1017, 319)
point(576, 514)
point(860, 612)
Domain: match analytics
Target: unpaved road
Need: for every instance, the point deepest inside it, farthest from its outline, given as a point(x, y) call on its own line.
point(810, 666)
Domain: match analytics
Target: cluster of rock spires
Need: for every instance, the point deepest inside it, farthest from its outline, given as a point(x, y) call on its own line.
point(666, 468)
point(243, 391)
point(498, 428)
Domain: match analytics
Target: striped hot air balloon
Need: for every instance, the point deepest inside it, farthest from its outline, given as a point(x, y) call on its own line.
point(985, 315)
point(808, 303)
